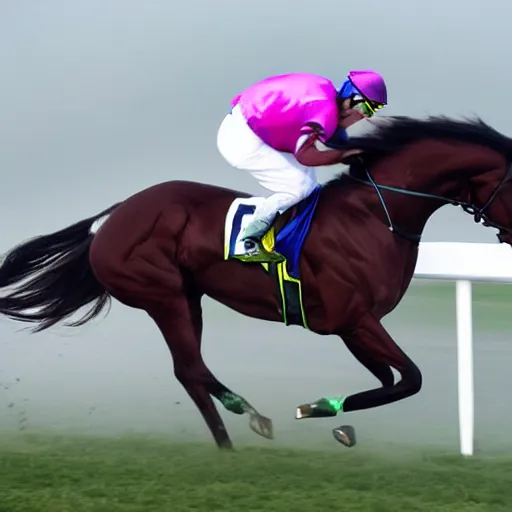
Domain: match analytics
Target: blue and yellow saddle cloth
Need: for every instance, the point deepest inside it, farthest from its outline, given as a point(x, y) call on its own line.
point(287, 241)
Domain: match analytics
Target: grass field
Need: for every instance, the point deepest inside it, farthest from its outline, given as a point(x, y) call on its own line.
point(49, 473)
point(491, 304)
point(52, 474)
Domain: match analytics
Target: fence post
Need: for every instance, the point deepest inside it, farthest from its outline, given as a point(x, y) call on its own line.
point(463, 298)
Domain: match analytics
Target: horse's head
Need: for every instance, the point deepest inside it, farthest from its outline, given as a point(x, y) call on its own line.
point(496, 212)
point(439, 161)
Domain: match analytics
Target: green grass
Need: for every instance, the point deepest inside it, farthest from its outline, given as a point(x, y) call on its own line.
point(496, 293)
point(45, 474)
point(492, 303)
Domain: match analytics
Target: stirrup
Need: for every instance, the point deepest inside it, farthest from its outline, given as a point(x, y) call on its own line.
point(252, 246)
point(255, 251)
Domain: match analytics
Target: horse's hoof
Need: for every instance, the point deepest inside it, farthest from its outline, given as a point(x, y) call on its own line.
point(227, 449)
point(262, 426)
point(320, 409)
point(346, 435)
point(303, 411)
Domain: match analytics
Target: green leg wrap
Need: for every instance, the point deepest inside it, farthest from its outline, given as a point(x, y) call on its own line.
point(233, 403)
point(336, 404)
point(323, 408)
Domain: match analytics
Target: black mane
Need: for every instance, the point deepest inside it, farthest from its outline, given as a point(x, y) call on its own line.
point(398, 132)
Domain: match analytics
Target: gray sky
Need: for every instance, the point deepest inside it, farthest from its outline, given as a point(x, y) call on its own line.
point(99, 99)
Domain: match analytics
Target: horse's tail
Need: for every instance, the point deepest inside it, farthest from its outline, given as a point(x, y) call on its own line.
point(50, 277)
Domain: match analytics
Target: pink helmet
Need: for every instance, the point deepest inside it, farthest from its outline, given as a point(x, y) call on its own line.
point(369, 83)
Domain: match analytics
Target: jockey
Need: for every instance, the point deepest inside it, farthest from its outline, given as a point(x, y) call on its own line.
point(272, 129)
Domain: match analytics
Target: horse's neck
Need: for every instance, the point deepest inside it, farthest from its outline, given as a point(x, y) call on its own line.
point(435, 174)
point(402, 211)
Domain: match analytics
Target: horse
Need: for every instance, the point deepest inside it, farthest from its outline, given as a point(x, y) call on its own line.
point(349, 254)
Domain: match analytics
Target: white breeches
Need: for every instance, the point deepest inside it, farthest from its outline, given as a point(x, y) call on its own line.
point(278, 172)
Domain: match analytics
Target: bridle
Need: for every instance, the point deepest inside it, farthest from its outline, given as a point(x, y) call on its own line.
point(479, 214)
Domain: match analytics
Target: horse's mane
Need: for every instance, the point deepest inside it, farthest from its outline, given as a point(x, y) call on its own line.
point(394, 133)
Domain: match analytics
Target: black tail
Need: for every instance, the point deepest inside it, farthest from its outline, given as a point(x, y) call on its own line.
point(51, 278)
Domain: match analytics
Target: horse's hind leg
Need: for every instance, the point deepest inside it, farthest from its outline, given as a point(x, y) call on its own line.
point(182, 333)
point(141, 276)
point(182, 329)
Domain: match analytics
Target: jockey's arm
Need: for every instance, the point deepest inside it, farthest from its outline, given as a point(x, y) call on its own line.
point(309, 155)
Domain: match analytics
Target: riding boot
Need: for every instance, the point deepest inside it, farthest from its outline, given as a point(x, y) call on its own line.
point(253, 245)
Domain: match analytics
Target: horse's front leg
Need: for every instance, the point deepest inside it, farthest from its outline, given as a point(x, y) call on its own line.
point(373, 347)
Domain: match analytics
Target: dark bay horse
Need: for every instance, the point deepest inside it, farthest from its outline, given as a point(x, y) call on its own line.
point(161, 250)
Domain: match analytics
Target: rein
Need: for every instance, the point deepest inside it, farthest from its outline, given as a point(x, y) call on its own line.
point(478, 214)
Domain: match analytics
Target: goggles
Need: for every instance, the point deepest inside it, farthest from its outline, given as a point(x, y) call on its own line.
point(366, 107)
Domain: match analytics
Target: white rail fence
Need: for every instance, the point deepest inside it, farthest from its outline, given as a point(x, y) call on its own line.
point(465, 263)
